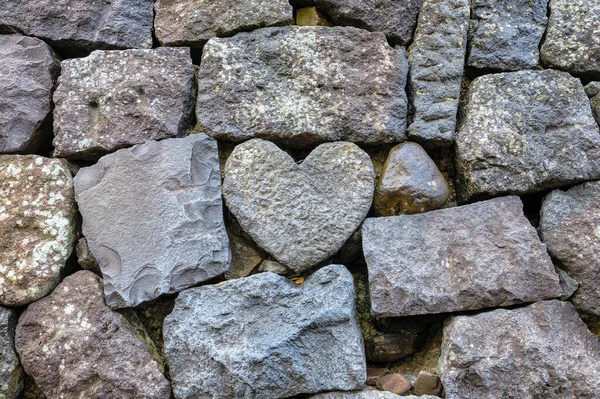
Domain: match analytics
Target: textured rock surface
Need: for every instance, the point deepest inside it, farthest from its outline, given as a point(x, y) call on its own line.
point(75, 346)
point(28, 72)
point(572, 41)
point(85, 258)
point(81, 24)
point(470, 257)
point(245, 257)
point(310, 16)
point(409, 183)
point(37, 225)
point(427, 383)
point(593, 91)
point(266, 337)
point(437, 59)
point(115, 99)
point(395, 383)
point(303, 85)
point(506, 35)
point(300, 214)
point(525, 132)
point(367, 394)
point(11, 372)
point(192, 22)
point(125, 200)
point(535, 352)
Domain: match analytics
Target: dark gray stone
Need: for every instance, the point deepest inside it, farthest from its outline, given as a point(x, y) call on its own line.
point(245, 257)
point(437, 59)
point(475, 256)
point(303, 85)
point(368, 394)
point(567, 283)
point(264, 336)
point(541, 351)
point(525, 132)
point(11, 372)
point(28, 72)
point(593, 92)
point(300, 214)
point(153, 218)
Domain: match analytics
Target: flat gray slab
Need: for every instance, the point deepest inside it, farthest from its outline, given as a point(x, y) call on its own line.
point(11, 372)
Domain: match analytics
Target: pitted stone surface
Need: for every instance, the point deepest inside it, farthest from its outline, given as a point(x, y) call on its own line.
point(592, 89)
point(11, 372)
point(74, 346)
point(303, 85)
point(266, 337)
point(153, 219)
point(525, 132)
point(37, 225)
point(368, 394)
point(539, 351)
point(115, 99)
point(300, 214)
point(192, 22)
point(28, 72)
point(475, 256)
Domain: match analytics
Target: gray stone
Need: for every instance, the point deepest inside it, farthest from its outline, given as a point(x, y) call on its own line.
point(37, 226)
point(115, 99)
point(572, 41)
point(300, 214)
point(192, 22)
point(28, 72)
point(541, 351)
point(264, 336)
point(593, 92)
point(525, 132)
point(303, 85)
point(567, 283)
point(85, 258)
point(153, 218)
point(368, 394)
point(11, 372)
point(274, 267)
point(245, 257)
point(437, 59)
point(506, 35)
point(74, 346)
point(475, 256)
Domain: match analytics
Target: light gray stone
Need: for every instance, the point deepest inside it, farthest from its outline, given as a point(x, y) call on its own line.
point(274, 267)
point(264, 336)
point(368, 394)
point(153, 218)
point(11, 372)
point(475, 256)
point(592, 90)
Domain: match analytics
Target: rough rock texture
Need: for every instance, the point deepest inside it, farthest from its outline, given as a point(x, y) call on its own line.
point(303, 85)
point(81, 24)
point(572, 41)
point(437, 59)
point(593, 92)
point(525, 132)
point(274, 267)
point(409, 183)
point(310, 16)
point(395, 383)
point(115, 99)
point(125, 200)
point(539, 351)
point(245, 257)
point(85, 258)
point(74, 346)
point(28, 72)
point(300, 214)
point(193, 22)
point(506, 35)
point(266, 337)
point(37, 226)
point(11, 372)
point(475, 256)
point(427, 383)
point(567, 283)
point(367, 394)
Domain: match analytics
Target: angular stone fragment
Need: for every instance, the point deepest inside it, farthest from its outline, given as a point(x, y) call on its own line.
point(37, 225)
point(11, 372)
point(506, 35)
point(245, 257)
point(535, 352)
point(427, 383)
point(264, 336)
point(395, 383)
point(153, 219)
point(310, 16)
point(525, 132)
point(274, 267)
point(75, 346)
point(115, 99)
point(303, 85)
point(85, 258)
point(475, 256)
point(300, 214)
point(437, 59)
point(593, 92)
point(28, 72)
point(368, 394)
point(192, 22)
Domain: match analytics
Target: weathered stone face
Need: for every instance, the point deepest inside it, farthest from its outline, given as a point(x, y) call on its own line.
point(28, 71)
point(37, 221)
point(192, 22)
point(535, 352)
point(11, 372)
point(303, 85)
point(115, 99)
point(368, 394)
point(525, 132)
point(300, 214)
point(470, 257)
point(75, 346)
point(266, 337)
point(593, 92)
point(153, 218)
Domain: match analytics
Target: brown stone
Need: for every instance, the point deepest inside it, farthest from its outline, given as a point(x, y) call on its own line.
point(427, 384)
point(245, 257)
point(374, 373)
point(395, 383)
point(85, 258)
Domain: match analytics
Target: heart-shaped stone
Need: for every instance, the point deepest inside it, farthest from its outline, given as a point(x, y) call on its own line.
point(300, 213)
